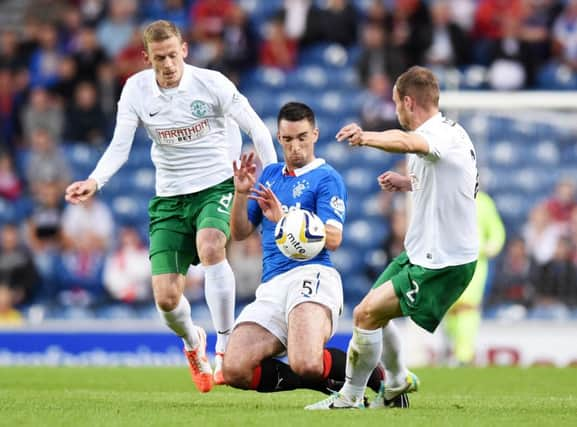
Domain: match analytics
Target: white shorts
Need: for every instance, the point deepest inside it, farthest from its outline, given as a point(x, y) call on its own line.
point(276, 298)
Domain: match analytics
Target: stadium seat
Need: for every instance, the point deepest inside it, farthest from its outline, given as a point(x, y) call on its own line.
point(556, 77)
point(361, 181)
point(366, 234)
point(7, 211)
point(130, 209)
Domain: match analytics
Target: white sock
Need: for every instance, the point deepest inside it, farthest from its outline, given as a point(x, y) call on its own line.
point(362, 357)
point(395, 369)
point(219, 291)
point(180, 322)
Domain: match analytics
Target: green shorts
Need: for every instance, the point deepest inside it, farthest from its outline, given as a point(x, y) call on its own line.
point(425, 294)
point(174, 222)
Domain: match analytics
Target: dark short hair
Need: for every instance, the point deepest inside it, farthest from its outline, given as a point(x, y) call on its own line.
point(296, 111)
point(420, 84)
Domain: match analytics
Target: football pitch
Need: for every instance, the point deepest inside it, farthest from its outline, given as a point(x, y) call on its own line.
point(39, 396)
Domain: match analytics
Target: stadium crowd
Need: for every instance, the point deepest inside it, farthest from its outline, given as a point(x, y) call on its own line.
point(63, 63)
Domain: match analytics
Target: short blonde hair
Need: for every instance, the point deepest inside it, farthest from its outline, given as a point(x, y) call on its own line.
point(420, 84)
point(158, 31)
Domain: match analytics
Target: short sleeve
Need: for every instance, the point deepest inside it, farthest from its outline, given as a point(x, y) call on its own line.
point(331, 200)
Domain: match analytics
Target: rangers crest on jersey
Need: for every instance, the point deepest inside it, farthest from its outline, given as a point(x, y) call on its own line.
point(300, 187)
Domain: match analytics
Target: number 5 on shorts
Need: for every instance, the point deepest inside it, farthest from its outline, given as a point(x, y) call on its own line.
point(308, 290)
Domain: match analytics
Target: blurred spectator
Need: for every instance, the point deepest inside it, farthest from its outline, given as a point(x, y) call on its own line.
point(46, 10)
point(44, 227)
point(276, 49)
point(9, 315)
point(240, 43)
point(67, 80)
point(194, 287)
point(378, 111)
point(171, 10)
point(108, 91)
point(246, 262)
point(88, 54)
point(296, 14)
point(42, 112)
point(88, 226)
point(116, 29)
point(79, 278)
point(28, 41)
point(556, 282)
point(506, 69)
point(10, 183)
point(44, 235)
point(376, 13)
point(534, 32)
point(378, 56)
point(395, 242)
point(70, 22)
point(87, 233)
point(513, 276)
point(10, 56)
point(92, 11)
point(541, 235)
point(7, 110)
point(17, 268)
point(412, 30)
point(45, 59)
point(127, 269)
point(463, 13)
point(450, 46)
point(338, 21)
point(208, 17)
point(129, 60)
point(492, 19)
point(85, 120)
point(45, 162)
point(564, 35)
point(562, 203)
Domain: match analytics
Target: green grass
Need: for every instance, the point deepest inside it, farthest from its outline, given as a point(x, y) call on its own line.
point(37, 396)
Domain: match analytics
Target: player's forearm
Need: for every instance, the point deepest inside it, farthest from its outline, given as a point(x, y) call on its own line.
point(253, 126)
point(334, 237)
point(115, 155)
point(264, 145)
point(240, 226)
point(393, 141)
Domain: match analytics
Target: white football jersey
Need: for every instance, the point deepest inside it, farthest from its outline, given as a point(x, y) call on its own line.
point(192, 136)
point(442, 230)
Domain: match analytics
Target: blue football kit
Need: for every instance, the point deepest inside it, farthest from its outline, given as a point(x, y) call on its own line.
point(316, 187)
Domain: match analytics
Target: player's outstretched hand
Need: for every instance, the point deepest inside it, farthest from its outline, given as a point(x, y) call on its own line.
point(268, 201)
point(244, 173)
point(393, 181)
point(352, 133)
point(80, 191)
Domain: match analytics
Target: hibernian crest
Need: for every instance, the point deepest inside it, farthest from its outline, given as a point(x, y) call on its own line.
point(199, 108)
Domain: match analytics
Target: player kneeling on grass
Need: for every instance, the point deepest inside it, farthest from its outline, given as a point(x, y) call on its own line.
point(298, 302)
point(441, 244)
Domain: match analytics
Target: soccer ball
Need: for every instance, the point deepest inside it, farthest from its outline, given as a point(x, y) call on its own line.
point(300, 235)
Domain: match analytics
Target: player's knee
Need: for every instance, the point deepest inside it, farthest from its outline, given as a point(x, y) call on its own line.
point(236, 374)
point(310, 369)
point(211, 246)
point(364, 317)
point(211, 253)
point(167, 301)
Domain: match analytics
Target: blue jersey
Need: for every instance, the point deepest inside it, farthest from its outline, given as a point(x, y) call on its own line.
point(318, 188)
